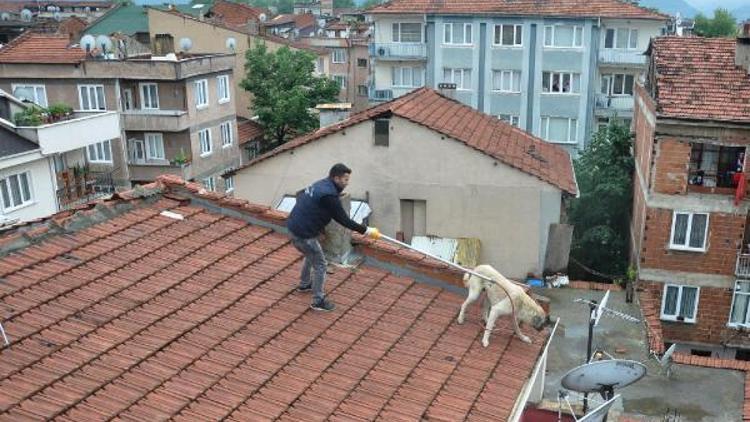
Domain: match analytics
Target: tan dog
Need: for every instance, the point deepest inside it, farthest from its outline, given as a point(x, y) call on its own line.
point(526, 309)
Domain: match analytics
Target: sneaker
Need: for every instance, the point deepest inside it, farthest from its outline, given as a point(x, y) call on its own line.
point(304, 289)
point(323, 305)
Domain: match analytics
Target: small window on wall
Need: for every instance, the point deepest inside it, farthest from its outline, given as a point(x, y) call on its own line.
point(689, 231)
point(679, 303)
point(382, 132)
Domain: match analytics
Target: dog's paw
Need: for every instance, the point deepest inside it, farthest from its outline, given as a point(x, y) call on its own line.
point(525, 339)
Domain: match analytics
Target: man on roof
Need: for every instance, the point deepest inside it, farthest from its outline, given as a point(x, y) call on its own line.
point(315, 207)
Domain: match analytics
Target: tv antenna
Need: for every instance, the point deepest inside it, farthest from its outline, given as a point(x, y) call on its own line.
point(596, 311)
point(597, 415)
point(666, 360)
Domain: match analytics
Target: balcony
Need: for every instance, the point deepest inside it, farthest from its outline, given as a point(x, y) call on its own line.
point(622, 57)
point(146, 172)
point(614, 102)
point(155, 120)
point(79, 131)
point(153, 68)
point(743, 265)
point(398, 51)
point(78, 186)
point(380, 94)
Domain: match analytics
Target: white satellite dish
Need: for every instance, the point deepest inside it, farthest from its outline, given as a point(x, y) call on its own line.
point(186, 44)
point(51, 9)
point(603, 376)
point(103, 42)
point(87, 9)
point(26, 15)
point(262, 17)
point(5, 16)
point(88, 42)
point(600, 413)
point(231, 43)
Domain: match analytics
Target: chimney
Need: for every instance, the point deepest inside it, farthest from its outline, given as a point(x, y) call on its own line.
point(742, 51)
point(333, 113)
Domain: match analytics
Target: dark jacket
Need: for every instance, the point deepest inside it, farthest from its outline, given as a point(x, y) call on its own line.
point(314, 209)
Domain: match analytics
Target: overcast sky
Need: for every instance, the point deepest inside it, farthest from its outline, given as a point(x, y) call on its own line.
point(710, 5)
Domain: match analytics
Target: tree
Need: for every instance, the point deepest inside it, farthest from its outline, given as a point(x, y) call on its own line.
point(601, 214)
point(285, 90)
point(342, 4)
point(723, 24)
point(369, 3)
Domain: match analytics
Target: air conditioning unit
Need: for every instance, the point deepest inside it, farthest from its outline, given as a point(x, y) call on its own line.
point(382, 51)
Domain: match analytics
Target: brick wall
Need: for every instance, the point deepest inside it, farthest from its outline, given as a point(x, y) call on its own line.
point(725, 232)
point(671, 165)
point(637, 221)
point(714, 305)
point(644, 135)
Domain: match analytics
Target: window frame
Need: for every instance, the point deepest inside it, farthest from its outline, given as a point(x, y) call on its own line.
point(341, 51)
point(398, 39)
point(612, 77)
point(106, 143)
point(24, 202)
point(143, 97)
point(148, 137)
point(468, 28)
point(675, 318)
point(544, 130)
point(229, 184)
point(511, 118)
point(628, 44)
point(209, 142)
point(511, 73)
point(209, 184)
point(88, 88)
point(34, 87)
point(413, 70)
point(205, 103)
point(561, 75)
point(459, 86)
point(223, 80)
point(225, 128)
point(688, 232)
point(340, 81)
point(578, 34)
point(501, 26)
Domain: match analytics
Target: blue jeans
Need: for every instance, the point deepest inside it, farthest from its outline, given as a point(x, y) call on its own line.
point(314, 266)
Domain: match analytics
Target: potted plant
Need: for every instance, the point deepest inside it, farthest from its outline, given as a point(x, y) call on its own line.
point(180, 159)
point(59, 111)
point(31, 116)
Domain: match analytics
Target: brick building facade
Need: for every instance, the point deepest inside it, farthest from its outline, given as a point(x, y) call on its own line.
point(689, 237)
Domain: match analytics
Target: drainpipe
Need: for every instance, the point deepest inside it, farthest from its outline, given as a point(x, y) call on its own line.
point(125, 169)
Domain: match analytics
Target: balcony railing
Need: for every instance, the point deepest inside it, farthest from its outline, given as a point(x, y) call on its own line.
point(142, 171)
point(399, 51)
point(83, 129)
point(743, 265)
point(381, 94)
point(78, 188)
point(610, 56)
point(155, 120)
point(614, 102)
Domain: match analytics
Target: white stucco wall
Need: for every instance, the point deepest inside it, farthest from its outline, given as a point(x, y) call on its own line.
point(43, 186)
point(468, 193)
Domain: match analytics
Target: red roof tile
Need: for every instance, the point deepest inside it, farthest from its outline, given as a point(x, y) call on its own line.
point(147, 317)
point(248, 130)
point(34, 47)
point(696, 78)
point(573, 8)
point(480, 131)
point(300, 20)
point(236, 14)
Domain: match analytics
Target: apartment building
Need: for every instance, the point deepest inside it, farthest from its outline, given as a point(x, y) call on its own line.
point(690, 233)
point(176, 113)
point(555, 68)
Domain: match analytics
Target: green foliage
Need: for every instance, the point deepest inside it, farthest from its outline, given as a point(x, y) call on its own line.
point(723, 24)
point(180, 158)
point(30, 116)
point(370, 3)
point(339, 4)
point(282, 6)
point(601, 214)
point(59, 110)
point(285, 90)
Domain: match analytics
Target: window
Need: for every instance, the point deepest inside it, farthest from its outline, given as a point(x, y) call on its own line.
point(100, 152)
point(319, 65)
point(340, 80)
point(510, 119)
point(460, 77)
point(127, 99)
point(362, 90)
point(508, 35)
point(407, 77)
point(362, 62)
point(679, 303)
point(149, 96)
point(689, 231)
point(739, 313)
point(229, 184)
point(715, 166)
point(560, 129)
point(204, 138)
point(407, 32)
point(222, 86)
point(457, 33)
point(618, 84)
point(34, 93)
point(91, 97)
point(209, 184)
point(563, 36)
point(621, 38)
point(339, 55)
point(201, 93)
point(154, 146)
point(226, 134)
point(382, 131)
point(561, 83)
point(16, 190)
point(506, 80)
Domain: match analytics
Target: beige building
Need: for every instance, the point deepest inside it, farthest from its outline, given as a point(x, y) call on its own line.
point(176, 114)
point(209, 37)
point(428, 165)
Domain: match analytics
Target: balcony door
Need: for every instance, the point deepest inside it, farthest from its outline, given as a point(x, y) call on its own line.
point(137, 151)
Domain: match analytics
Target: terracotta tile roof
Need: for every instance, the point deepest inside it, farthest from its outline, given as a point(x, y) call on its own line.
point(485, 133)
point(32, 47)
point(236, 14)
point(142, 316)
point(300, 21)
point(567, 8)
point(248, 130)
point(696, 78)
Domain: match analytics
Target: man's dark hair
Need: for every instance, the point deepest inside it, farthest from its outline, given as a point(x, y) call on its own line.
point(339, 170)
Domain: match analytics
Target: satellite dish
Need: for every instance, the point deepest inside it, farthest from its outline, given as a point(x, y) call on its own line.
point(5, 16)
point(57, 16)
point(51, 9)
point(603, 376)
point(600, 413)
point(262, 17)
point(26, 15)
point(186, 44)
point(103, 42)
point(87, 9)
point(88, 42)
point(321, 31)
point(231, 43)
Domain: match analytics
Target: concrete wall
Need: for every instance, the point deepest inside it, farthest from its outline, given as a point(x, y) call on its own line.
point(63, 90)
point(43, 187)
point(171, 94)
point(468, 194)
